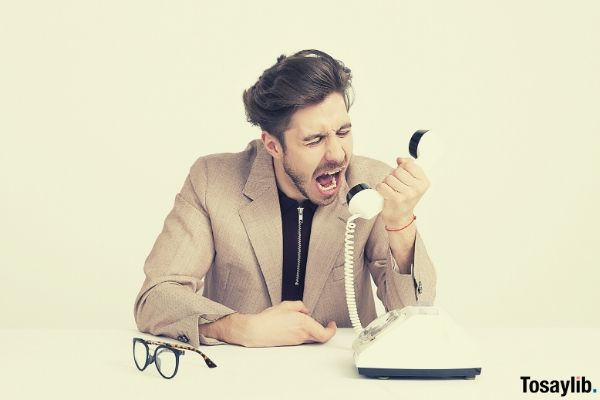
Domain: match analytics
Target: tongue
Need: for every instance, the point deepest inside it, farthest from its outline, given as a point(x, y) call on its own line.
point(325, 180)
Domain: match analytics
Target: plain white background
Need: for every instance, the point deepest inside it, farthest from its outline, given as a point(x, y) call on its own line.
point(106, 104)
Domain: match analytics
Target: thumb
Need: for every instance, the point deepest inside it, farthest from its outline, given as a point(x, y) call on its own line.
point(331, 329)
point(401, 160)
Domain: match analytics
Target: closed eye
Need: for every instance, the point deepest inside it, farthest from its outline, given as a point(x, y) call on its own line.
point(320, 138)
point(316, 141)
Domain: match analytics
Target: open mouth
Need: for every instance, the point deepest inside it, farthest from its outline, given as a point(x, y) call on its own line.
point(328, 182)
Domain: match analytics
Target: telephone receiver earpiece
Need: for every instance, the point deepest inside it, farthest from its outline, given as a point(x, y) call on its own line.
point(364, 201)
point(367, 202)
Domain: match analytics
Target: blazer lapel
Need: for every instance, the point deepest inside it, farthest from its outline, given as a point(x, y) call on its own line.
point(262, 221)
point(326, 241)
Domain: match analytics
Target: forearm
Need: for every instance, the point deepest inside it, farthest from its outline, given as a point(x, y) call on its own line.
point(402, 245)
point(285, 324)
point(174, 310)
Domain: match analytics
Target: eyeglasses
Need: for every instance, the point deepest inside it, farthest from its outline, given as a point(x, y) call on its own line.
point(165, 356)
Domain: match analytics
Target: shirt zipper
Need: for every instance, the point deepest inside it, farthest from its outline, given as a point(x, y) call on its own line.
point(300, 218)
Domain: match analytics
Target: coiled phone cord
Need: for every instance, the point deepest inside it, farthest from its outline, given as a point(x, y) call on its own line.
point(349, 274)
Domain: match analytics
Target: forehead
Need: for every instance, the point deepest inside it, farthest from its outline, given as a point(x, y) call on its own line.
point(329, 114)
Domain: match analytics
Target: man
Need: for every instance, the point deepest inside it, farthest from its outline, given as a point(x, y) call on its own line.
point(261, 232)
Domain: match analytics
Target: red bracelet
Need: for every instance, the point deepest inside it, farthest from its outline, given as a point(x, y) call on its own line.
point(399, 229)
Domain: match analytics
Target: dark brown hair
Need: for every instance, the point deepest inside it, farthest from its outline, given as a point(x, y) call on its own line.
point(293, 82)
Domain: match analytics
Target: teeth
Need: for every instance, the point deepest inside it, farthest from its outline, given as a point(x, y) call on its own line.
point(331, 186)
point(335, 171)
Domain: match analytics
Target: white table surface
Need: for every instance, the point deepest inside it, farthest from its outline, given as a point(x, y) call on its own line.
point(39, 363)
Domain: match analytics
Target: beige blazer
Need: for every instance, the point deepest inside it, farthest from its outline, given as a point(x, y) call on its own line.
point(220, 251)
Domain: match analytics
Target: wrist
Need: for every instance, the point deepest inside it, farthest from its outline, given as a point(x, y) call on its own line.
point(226, 329)
point(400, 224)
point(235, 329)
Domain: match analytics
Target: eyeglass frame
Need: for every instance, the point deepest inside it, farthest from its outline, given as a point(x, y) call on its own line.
point(177, 349)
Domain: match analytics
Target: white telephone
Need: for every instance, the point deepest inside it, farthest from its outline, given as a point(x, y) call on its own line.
point(412, 342)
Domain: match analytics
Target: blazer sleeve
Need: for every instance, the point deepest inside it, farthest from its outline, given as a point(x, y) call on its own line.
point(170, 302)
point(394, 289)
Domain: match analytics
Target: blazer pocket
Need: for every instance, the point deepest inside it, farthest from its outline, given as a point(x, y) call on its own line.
point(338, 271)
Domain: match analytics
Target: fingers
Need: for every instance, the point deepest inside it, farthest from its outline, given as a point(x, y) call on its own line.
point(295, 306)
point(408, 178)
point(316, 332)
point(385, 190)
point(404, 176)
point(389, 193)
point(409, 165)
point(399, 185)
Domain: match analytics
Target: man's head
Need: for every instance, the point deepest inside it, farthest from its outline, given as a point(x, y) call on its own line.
point(301, 104)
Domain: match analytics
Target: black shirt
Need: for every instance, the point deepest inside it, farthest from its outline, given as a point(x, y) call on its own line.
point(294, 264)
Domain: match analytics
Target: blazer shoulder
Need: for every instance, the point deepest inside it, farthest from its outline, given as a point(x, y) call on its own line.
point(224, 166)
point(367, 170)
point(219, 173)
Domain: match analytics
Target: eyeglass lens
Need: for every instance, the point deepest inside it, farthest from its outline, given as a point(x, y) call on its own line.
point(140, 354)
point(164, 358)
point(166, 361)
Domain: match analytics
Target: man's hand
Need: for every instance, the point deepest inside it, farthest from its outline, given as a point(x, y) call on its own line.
point(285, 324)
point(402, 189)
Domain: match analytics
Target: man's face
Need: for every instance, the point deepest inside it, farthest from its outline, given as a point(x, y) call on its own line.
point(318, 142)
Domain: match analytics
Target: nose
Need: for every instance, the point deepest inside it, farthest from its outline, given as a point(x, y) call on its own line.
point(334, 152)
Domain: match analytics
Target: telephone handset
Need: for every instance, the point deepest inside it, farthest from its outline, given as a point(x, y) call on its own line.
point(366, 202)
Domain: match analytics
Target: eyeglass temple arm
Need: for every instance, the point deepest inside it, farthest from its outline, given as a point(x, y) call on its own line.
point(207, 360)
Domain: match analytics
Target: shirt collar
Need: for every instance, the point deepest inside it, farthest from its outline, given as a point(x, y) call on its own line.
point(285, 203)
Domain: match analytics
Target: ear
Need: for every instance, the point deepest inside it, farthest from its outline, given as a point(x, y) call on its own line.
point(272, 145)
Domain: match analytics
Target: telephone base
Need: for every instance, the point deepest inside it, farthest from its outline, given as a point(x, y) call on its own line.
point(453, 373)
point(416, 342)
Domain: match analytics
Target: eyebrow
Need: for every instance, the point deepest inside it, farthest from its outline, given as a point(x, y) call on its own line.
point(321, 134)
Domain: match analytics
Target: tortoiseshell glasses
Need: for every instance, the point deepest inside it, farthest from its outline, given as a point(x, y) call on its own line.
point(165, 356)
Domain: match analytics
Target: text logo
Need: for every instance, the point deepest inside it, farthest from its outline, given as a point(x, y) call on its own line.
point(573, 385)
